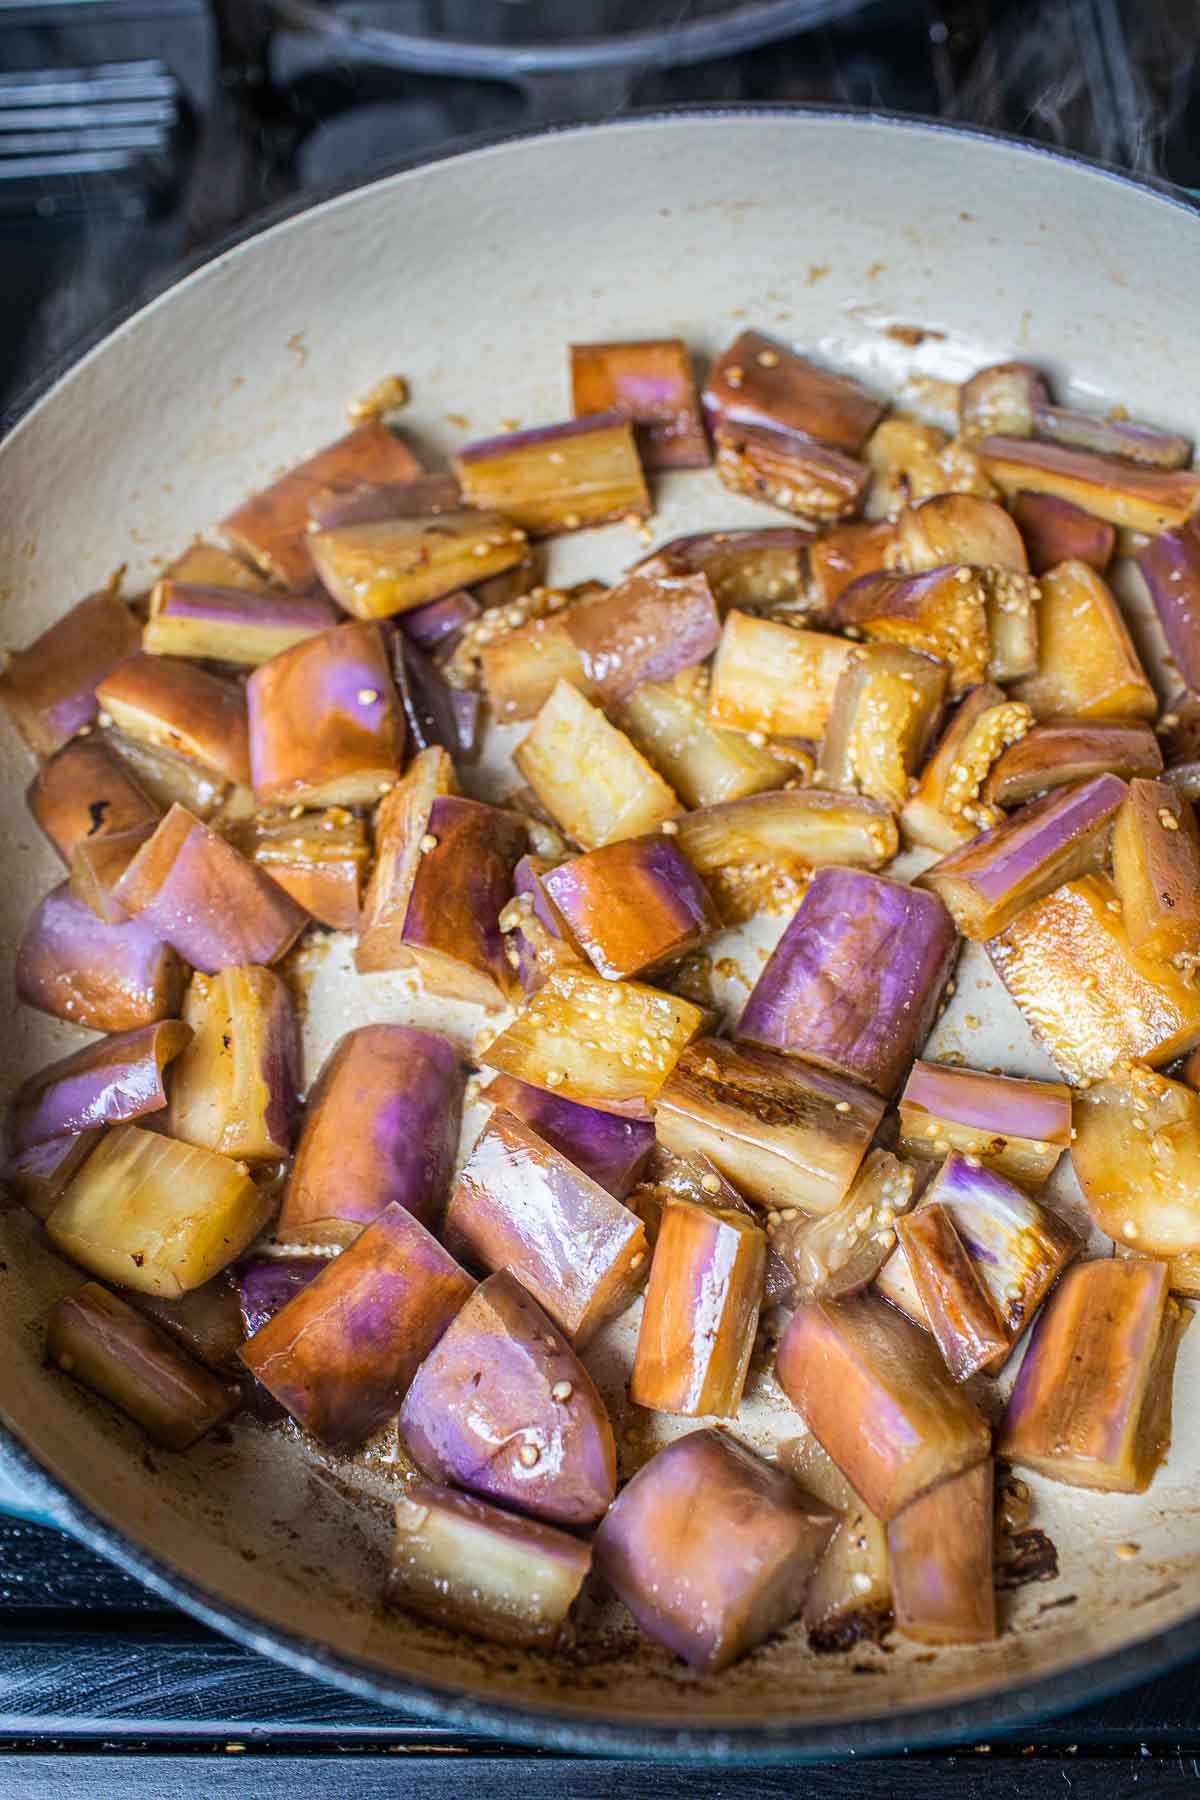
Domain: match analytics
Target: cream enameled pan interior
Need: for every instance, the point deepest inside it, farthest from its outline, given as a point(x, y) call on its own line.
point(470, 278)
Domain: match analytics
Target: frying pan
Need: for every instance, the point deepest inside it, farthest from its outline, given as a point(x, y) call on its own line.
point(903, 251)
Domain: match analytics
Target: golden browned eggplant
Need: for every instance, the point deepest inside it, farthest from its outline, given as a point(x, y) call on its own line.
point(701, 1312)
point(588, 775)
point(940, 1550)
point(1088, 667)
point(1156, 871)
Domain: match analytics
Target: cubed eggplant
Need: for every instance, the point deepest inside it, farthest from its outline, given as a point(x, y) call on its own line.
point(957, 1306)
point(985, 883)
point(83, 793)
point(435, 712)
point(854, 982)
point(39, 1177)
point(849, 1599)
point(650, 381)
point(612, 1151)
point(168, 778)
point(380, 1128)
point(1087, 995)
point(1092, 1403)
point(438, 625)
point(1056, 531)
point(711, 1548)
point(669, 723)
point(759, 381)
point(325, 724)
point(1170, 567)
point(201, 896)
point(230, 625)
point(588, 776)
point(520, 1205)
point(940, 1549)
point(557, 478)
point(271, 528)
point(1156, 871)
point(156, 1215)
point(747, 850)
point(341, 1354)
point(1064, 751)
point(912, 461)
point(1113, 436)
point(648, 627)
point(955, 529)
point(942, 612)
point(401, 825)
point(208, 565)
point(206, 1321)
point(1019, 1128)
point(1136, 1155)
point(104, 1343)
point(107, 977)
point(761, 567)
point(539, 940)
point(371, 500)
point(945, 809)
point(113, 1079)
point(788, 470)
point(632, 906)
point(701, 1312)
point(1088, 667)
point(49, 689)
point(96, 867)
point(875, 1392)
point(885, 709)
point(844, 554)
point(502, 1406)
point(1124, 493)
point(832, 1255)
point(786, 1135)
point(234, 1086)
point(522, 666)
point(320, 859)
point(388, 566)
point(775, 679)
point(698, 1181)
point(176, 706)
point(459, 1562)
point(1004, 397)
point(265, 1286)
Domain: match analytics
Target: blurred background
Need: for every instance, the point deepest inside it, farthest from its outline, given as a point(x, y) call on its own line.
point(134, 133)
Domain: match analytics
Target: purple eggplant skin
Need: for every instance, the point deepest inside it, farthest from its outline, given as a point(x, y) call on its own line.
point(370, 500)
point(438, 625)
point(266, 1285)
point(940, 1550)
point(519, 1205)
point(178, 706)
point(435, 713)
point(758, 382)
point(1018, 1127)
point(634, 905)
point(1169, 565)
point(502, 1406)
point(341, 1354)
point(39, 1177)
point(49, 689)
point(1057, 531)
point(556, 478)
point(711, 1548)
point(854, 983)
point(612, 1151)
point(463, 881)
point(381, 1128)
point(85, 792)
point(232, 625)
point(651, 380)
point(1061, 752)
point(108, 1082)
point(106, 977)
point(113, 1349)
point(964, 1324)
point(649, 627)
point(987, 882)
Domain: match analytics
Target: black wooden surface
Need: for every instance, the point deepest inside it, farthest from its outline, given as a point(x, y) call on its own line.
point(106, 1689)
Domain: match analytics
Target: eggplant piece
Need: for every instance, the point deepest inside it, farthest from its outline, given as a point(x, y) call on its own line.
point(942, 612)
point(320, 859)
point(438, 625)
point(1089, 998)
point(698, 1181)
point(522, 668)
point(234, 1086)
point(1129, 494)
point(807, 479)
point(588, 776)
point(956, 1304)
point(775, 679)
point(150, 1213)
point(169, 779)
point(401, 826)
point(711, 1548)
point(1056, 531)
point(271, 528)
point(201, 896)
point(854, 982)
point(845, 553)
point(875, 1392)
point(911, 461)
point(1004, 397)
point(701, 1312)
point(435, 712)
point(647, 628)
point(96, 868)
point(341, 1354)
point(784, 1134)
point(266, 1285)
point(48, 690)
point(208, 565)
point(1017, 1127)
point(230, 625)
point(747, 849)
point(1088, 667)
point(940, 1549)
point(945, 809)
point(368, 501)
point(461, 1563)
point(764, 566)
point(107, 977)
point(325, 724)
point(1136, 1155)
point(1065, 751)
point(759, 381)
point(632, 906)
point(1179, 728)
point(1111, 436)
point(520, 1205)
point(885, 709)
point(380, 1129)
point(387, 566)
point(955, 529)
point(613, 1152)
point(110, 1080)
point(502, 1406)
point(83, 793)
point(1092, 1403)
point(668, 722)
point(849, 1599)
point(649, 381)
point(40, 1176)
point(557, 478)
point(1170, 568)
point(1156, 871)
point(539, 939)
point(838, 1253)
point(112, 1349)
point(206, 1321)
point(985, 884)
point(178, 707)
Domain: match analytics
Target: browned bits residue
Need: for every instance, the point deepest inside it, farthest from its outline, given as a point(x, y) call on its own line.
point(875, 270)
point(386, 395)
point(913, 334)
point(460, 421)
point(298, 347)
point(1126, 1552)
point(817, 272)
